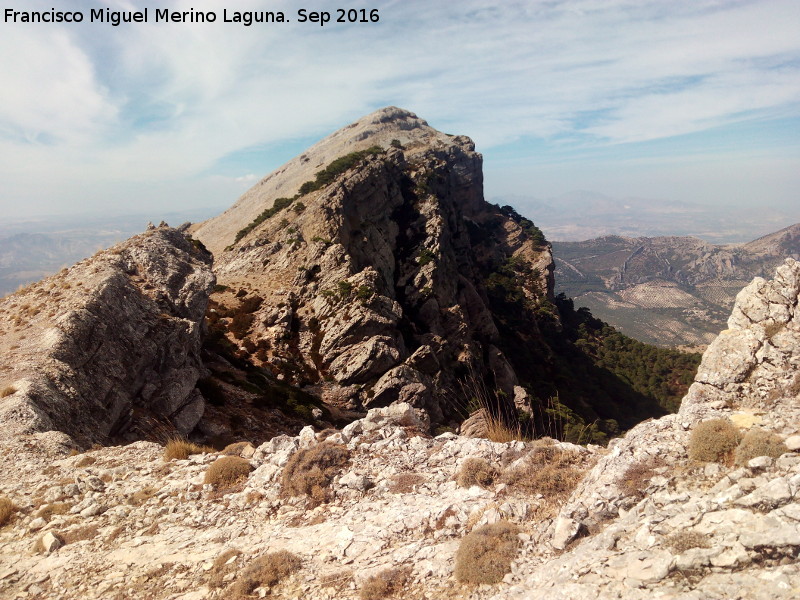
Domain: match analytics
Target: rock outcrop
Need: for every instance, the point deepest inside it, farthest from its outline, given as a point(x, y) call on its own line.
point(373, 278)
point(751, 375)
point(108, 343)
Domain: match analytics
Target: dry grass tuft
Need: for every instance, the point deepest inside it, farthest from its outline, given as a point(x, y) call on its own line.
point(637, 476)
point(476, 471)
point(7, 510)
point(266, 571)
point(56, 508)
point(310, 471)
point(547, 470)
point(758, 442)
point(235, 449)
point(714, 441)
point(87, 532)
point(85, 461)
point(227, 471)
point(140, 497)
point(7, 391)
point(179, 449)
point(405, 483)
point(385, 584)
point(223, 565)
point(686, 540)
point(340, 580)
point(485, 555)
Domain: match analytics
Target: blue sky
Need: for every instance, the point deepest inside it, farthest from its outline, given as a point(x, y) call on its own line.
point(695, 101)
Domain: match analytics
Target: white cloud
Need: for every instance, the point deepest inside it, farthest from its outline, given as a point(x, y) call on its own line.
point(148, 103)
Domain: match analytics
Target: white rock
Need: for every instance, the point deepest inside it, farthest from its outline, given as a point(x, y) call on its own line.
point(51, 542)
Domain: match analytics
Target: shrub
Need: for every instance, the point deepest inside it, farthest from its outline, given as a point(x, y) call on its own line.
point(235, 449)
point(396, 144)
point(758, 442)
point(179, 449)
point(227, 471)
point(336, 168)
point(344, 288)
point(7, 510)
point(551, 480)
point(364, 293)
point(476, 471)
point(485, 555)
point(636, 478)
point(425, 256)
point(310, 471)
point(277, 206)
point(713, 440)
point(386, 583)
point(266, 571)
point(7, 391)
point(686, 540)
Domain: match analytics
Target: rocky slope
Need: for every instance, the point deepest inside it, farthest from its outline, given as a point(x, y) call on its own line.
point(109, 343)
point(389, 501)
point(370, 270)
point(666, 290)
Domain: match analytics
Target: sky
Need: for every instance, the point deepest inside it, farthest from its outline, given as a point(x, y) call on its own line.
point(687, 100)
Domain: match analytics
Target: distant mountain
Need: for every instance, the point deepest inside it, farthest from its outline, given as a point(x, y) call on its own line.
point(33, 248)
point(583, 215)
point(666, 290)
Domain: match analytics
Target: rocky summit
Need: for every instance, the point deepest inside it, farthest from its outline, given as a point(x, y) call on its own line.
point(350, 399)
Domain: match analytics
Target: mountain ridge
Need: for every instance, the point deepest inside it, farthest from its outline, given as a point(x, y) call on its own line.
point(668, 290)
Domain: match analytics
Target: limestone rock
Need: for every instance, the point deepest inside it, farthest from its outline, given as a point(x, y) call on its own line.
point(123, 337)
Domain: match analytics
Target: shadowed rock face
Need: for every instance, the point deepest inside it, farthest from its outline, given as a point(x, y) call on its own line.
point(375, 282)
point(110, 341)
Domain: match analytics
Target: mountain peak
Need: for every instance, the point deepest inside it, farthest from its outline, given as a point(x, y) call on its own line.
point(385, 128)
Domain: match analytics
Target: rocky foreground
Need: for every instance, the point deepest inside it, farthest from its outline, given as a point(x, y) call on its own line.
point(382, 509)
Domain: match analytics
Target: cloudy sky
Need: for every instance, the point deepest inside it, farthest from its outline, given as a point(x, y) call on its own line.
point(690, 100)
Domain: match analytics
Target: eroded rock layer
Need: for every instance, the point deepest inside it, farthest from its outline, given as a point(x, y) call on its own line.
point(108, 342)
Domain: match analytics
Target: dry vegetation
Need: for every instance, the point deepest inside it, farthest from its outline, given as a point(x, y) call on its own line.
point(385, 584)
point(485, 555)
point(405, 483)
point(224, 565)
point(758, 442)
point(179, 449)
point(714, 441)
point(7, 391)
point(227, 471)
point(547, 470)
point(56, 508)
point(7, 510)
point(310, 471)
point(235, 449)
point(142, 496)
point(266, 571)
point(686, 540)
point(476, 471)
point(636, 477)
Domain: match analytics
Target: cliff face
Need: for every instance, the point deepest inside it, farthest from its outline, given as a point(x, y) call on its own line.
point(377, 285)
point(102, 347)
